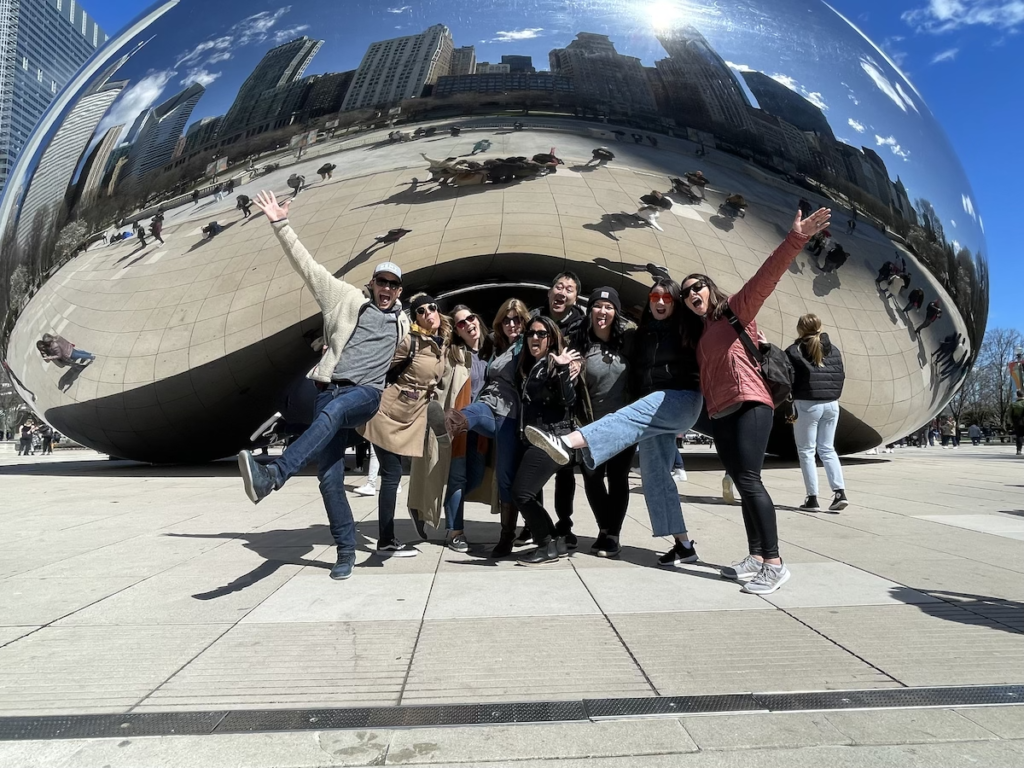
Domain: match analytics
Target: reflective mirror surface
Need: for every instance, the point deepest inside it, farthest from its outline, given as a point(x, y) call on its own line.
point(405, 124)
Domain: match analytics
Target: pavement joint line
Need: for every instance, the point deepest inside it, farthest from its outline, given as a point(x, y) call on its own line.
point(423, 620)
point(228, 721)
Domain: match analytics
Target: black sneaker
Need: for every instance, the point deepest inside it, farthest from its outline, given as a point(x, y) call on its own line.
point(343, 568)
point(606, 546)
point(571, 542)
point(395, 548)
point(504, 546)
point(256, 478)
point(810, 504)
point(547, 552)
point(524, 537)
point(678, 555)
point(560, 546)
point(839, 501)
point(421, 526)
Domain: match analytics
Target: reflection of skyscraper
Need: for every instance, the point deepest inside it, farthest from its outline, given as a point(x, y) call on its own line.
point(604, 78)
point(486, 68)
point(328, 93)
point(700, 85)
point(91, 179)
point(519, 63)
point(201, 133)
point(42, 45)
point(776, 99)
point(159, 134)
point(279, 67)
point(463, 60)
point(57, 164)
point(396, 69)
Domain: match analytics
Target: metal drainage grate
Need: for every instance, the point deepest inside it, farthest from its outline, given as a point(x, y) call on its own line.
point(603, 709)
point(891, 698)
point(109, 726)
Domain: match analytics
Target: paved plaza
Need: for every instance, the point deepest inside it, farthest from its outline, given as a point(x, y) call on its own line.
point(135, 589)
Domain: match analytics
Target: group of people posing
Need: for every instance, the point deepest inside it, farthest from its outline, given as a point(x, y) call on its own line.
point(538, 392)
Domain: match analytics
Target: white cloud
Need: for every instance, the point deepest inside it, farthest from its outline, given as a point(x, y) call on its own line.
point(740, 67)
point(891, 143)
point(256, 28)
point(953, 222)
point(812, 96)
point(284, 35)
point(947, 55)
point(402, 9)
point(889, 45)
point(224, 56)
point(886, 87)
point(946, 15)
point(909, 102)
point(969, 206)
point(192, 57)
point(514, 35)
point(858, 127)
point(135, 100)
point(200, 75)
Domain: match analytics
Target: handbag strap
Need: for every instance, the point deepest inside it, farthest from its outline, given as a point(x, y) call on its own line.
point(744, 336)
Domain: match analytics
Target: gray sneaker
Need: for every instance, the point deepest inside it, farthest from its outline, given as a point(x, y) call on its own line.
point(745, 569)
point(768, 580)
point(459, 543)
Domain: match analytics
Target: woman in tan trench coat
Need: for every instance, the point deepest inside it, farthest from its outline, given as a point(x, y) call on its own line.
point(399, 427)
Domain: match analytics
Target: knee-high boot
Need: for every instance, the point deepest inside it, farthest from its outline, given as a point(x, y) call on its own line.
point(509, 518)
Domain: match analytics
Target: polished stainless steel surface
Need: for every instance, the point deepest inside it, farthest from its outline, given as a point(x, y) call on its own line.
point(198, 339)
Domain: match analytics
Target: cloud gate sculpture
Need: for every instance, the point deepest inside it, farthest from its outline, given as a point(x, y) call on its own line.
point(200, 337)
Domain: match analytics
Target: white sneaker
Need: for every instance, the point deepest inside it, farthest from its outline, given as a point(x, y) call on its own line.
point(679, 475)
point(744, 570)
point(727, 491)
point(366, 490)
point(768, 580)
point(553, 446)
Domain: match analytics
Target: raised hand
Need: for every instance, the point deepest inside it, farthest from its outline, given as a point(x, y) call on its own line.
point(267, 202)
point(813, 224)
point(567, 357)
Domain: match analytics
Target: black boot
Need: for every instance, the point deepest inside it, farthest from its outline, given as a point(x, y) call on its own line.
point(509, 517)
point(546, 552)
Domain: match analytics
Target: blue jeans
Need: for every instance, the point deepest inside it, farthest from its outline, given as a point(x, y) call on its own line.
point(653, 421)
point(508, 447)
point(815, 429)
point(78, 355)
point(464, 476)
point(338, 410)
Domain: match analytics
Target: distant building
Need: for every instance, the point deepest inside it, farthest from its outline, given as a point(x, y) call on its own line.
point(328, 94)
point(201, 133)
point(90, 182)
point(776, 99)
point(701, 88)
point(158, 136)
point(49, 186)
point(278, 68)
point(603, 78)
point(397, 69)
point(42, 45)
point(522, 64)
point(506, 82)
point(463, 61)
point(486, 68)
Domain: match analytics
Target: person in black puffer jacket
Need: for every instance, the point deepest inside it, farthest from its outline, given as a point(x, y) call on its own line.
point(817, 385)
point(548, 403)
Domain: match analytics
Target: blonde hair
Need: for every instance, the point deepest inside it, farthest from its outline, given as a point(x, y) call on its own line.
point(809, 328)
point(510, 307)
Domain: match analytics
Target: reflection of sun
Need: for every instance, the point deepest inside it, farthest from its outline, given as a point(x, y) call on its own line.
point(665, 14)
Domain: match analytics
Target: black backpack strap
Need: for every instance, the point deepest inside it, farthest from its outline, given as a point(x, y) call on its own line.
point(744, 336)
point(396, 371)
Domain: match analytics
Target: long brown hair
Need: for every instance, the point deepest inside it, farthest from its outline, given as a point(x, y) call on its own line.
point(809, 328)
point(693, 324)
point(510, 307)
point(486, 342)
point(556, 344)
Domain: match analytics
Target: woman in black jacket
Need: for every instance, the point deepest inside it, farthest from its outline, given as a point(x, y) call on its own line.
point(817, 385)
point(548, 402)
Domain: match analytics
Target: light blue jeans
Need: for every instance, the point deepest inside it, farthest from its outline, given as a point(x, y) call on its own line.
point(815, 430)
point(653, 422)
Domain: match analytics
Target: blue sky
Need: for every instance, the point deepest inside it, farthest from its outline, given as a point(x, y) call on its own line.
point(964, 59)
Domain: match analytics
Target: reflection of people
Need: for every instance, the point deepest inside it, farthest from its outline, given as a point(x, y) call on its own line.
point(244, 204)
point(195, 197)
point(915, 299)
point(835, 258)
point(653, 204)
point(212, 229)
point(326, 171)
point(54, 348)
point(1017, 420)
point(818, 378)
point(735, 204)
point(933, 313)
point(392, 236)
point(156, 227)
point(25, 443)
point(296, 182)
point(362, 334)
point(601, 155)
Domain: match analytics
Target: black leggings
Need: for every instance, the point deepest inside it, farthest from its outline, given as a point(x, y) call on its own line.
point(741, 439)
point(535, 469)
point(565, 497)
point(390, 479)
point(609, 503)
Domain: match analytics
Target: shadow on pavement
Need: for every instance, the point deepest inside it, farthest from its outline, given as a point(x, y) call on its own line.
point(975, 610)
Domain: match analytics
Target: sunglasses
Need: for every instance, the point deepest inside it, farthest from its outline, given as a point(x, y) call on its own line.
point(381, 282)
point(511, 320)
point(698, 286)
point(422, 311)
point(537, 334)
point(464, 322)
point(660, 298)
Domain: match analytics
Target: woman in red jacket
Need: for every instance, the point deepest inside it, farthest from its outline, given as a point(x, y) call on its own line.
point(738, 400)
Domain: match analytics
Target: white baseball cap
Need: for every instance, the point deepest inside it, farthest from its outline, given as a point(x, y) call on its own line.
point(388, 266)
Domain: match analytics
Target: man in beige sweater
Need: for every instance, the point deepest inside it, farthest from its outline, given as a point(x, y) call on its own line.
point(362, 334)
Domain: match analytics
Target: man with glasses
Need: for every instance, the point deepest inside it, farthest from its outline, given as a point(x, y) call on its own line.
point(361, 335)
